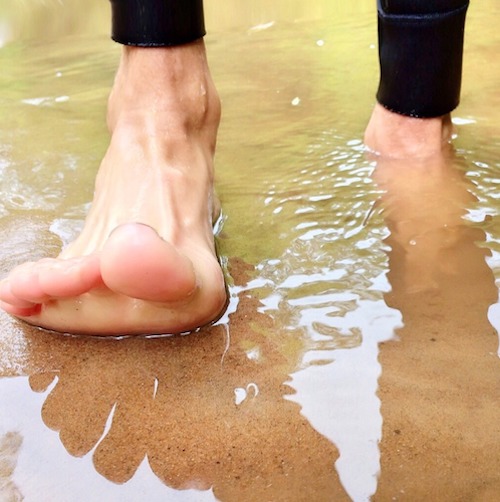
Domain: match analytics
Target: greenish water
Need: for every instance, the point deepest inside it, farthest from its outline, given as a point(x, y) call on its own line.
point(342, 332)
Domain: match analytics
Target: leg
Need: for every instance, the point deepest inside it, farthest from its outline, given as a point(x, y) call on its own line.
point(145, 261)
point(420, 52)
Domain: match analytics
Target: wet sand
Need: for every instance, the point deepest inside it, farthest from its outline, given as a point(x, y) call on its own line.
point(203, 412)
point(207, 412)
point(440, 383)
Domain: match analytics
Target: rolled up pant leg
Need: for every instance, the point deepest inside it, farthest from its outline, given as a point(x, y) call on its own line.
point(157, 23)
point(420, 54)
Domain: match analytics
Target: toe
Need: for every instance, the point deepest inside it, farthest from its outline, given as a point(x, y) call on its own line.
point(52, 278)
point(136, 262)
point(7, 297)
point(24, 285)
point(71, 277)
point(20, 311)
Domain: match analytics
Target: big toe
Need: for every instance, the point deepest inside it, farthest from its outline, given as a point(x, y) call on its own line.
point(138, 263)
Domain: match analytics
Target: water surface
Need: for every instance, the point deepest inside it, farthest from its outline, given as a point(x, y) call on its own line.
point(358, 358)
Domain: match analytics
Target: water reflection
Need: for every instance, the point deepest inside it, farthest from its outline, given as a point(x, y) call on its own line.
point(10, 443)
point(440, 382)
point(308, 381)
point(215, 411)
point(439, 288)
point(205, 414)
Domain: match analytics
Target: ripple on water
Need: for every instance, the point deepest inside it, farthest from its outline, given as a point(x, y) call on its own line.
point(306, 213)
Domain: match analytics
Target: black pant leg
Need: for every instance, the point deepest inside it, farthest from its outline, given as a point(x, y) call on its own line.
point(420, 53)
point(157, 23)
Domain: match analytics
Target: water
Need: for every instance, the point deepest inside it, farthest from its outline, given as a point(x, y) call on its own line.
point(358, 358)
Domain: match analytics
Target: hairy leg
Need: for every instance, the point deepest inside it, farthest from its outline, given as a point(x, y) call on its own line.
point(145, 261)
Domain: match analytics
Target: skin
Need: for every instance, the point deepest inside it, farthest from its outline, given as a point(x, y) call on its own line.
point(145, 261)
point(395, 136)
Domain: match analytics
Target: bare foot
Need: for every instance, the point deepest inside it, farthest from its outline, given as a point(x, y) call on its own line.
point(397, 136)
point(145, 261)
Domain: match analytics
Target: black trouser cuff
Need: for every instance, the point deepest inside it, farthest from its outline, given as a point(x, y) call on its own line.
point(420, 61)
point(153, 23)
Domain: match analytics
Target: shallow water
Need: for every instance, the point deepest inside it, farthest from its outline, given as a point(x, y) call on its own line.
point(358, 358)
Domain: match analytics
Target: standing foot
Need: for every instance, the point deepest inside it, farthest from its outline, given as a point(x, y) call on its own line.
point(145, 262)
point(390, 134)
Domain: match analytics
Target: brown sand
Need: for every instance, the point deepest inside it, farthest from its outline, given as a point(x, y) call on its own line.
point(439, 392)
point(193, 432)
point(440, 385)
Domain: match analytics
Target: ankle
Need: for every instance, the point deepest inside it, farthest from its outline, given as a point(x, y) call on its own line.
point(390, 134)
point(156, 87)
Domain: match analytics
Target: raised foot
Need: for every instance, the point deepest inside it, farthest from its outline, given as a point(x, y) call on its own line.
point(137, 284)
